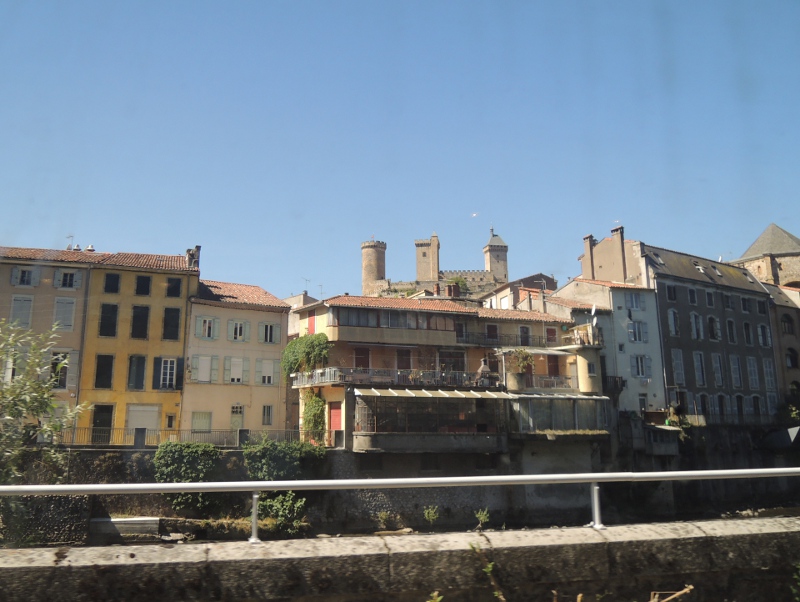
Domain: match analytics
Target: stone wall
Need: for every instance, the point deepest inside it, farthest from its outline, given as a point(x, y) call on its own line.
point(45, 520)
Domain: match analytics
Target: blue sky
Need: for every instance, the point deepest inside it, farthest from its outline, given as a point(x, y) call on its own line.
point(280, 135)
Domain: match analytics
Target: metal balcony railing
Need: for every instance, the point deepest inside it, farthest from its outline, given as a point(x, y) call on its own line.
point(532, 381)
point(506, 340)
point(388, 377)
point(126, 437)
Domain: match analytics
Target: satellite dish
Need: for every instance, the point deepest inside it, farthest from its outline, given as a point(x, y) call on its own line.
point(594, 321)
point(594, 308)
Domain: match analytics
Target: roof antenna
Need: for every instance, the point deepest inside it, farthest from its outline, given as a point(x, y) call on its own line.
point(71, 240)
point(320, 291)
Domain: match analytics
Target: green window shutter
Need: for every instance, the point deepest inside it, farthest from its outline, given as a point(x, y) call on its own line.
point(226, 375)
point(215, 329)
point(276, 372)
point(261, 326)
point(198, 326)
point(230, 330)
point(195, 367)
point(57, 278)
point(642, 305)
point(214, 368)
point(78, 279)
point(258, 370)
point(245, 370)
point(276, 334)
point(247, 331)
point(14, 276)
point(156, 373)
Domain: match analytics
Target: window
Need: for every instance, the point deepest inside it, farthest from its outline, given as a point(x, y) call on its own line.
point(206, 327)
point(269, 333)
point(748, 333)
point(143, 285)
point(108, 320)
point(716, 362)
point(736, 371)
point(167, 373)
point(492, 335)
point(173, 287)
point(592, 369)
point(634, 301)
point(67, 279)
point(752, 373)
point(731, 326)
point(761, 307)
point(361, 356)
point(27, 276)
point(237, 370)
point(791, 358)
point(641, 366)
point(170, 421)
point(205, 368)
point(201, 422)
point(266, 415)
point(637, 332)
point(727, 301)
point(552, 335)
point(696, 322)
point(692, 296)
point(111, 283)
point(238, 330)
point(21, 311)
point(709, 299)
point(103, 371)
point(59, 369)
point(699, 369)
point(64, 314)
point(787, 324)
point(136, 368)
point(268, 372)
point(404, 359)
point(713, 329)
point(769, 374)
point(172, 324)
point(677, 367)
point(764, 336)
point(524, 336)
point(139, 321)
point(672, 294)
point(746, 305)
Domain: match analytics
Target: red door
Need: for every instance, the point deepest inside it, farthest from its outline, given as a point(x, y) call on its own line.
point(335, 418)
point(312, 326)
point(552, 365)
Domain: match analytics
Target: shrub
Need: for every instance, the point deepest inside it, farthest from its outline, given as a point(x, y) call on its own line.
point(304, 353)
point(286, 510)
point(314, 417)
point(187, 462)
point(282, 460)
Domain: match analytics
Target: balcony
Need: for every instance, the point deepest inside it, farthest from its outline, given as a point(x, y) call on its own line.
point(613, 385)
point(584, 335)
point(583, 415)
point(506, 340)
point(386, 377)
point(566, 383)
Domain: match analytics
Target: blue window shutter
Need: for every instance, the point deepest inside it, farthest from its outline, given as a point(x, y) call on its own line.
point(648, 370)
point(258, 370)
point(57, 278)
point(276, 334)
point(78, 279)
point(156, 373)
point(195, 366)
point(180, 368)
point(14, 276)
point(642, 304)
point(633, 365)
point(226, 375)
point(261, 326)
point(214, 368)
point(628, 301)
point(644, 332)
point(198, 326)
point(247, 331)
point(630, 331)
point(230, 330)
point(245, 370)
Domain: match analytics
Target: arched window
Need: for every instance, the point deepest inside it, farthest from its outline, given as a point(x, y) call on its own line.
point(787, 324)
point(791, 358)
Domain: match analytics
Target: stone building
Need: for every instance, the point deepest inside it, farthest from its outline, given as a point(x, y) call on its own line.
point(774, 257)
point(471, 283)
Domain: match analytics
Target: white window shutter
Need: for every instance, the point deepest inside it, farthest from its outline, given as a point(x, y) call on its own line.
point(195, 367)
point(214, 368)
point(628, 301)
point(642, 305)
point(258, 368)
point(245, 370)
point(72, 369)
point(261, 326)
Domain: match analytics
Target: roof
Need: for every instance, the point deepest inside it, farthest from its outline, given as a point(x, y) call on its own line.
point(519, 315)
point(495, 240)
point(779, 296)
point(573, 304)
point(610, 284)
point(773, 241)
point(421, 304)
point(133, 260)
point(664, 262)
point(228, 293)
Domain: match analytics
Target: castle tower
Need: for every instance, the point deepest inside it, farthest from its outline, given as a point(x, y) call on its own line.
point(428, 259)
point(373, 264)
point(495, 255)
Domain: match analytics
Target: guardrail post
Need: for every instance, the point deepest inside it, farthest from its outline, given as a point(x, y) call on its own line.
point(597, 522)
point(254, 533)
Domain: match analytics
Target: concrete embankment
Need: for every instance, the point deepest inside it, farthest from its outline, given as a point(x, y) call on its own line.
point(745, 560)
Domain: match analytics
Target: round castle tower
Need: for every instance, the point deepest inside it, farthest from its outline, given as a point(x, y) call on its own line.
point(373, 264)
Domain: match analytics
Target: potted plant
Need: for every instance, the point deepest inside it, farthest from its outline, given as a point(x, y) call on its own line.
point(517, 363)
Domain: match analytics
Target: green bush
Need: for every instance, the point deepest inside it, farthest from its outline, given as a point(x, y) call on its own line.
point(314, 417)
point(286, 510)
point(188, 462)
point(282, 460)
point(304, 353)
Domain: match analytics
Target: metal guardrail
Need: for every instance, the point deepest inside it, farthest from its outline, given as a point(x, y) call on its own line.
point(126, 437)
point(255, 487)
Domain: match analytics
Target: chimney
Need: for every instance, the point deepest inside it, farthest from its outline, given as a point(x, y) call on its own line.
point(588, 257)
point(437, 291)
point(90, 249)
point(193, 257)
point(456, 290)
point(618, 236)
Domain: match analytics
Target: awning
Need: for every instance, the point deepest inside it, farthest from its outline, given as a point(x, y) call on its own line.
point(433, 393)
point(535, 350)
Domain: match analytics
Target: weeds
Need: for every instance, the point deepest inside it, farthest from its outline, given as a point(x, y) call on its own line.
point(431, 514)
point(488, 568)
point(483, 518)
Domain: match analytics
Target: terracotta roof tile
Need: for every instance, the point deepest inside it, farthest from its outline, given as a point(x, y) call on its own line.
point(27, 254)
point(519, 315)
point(422, 304)
point(239, 294)
point(149, 262)
point(610, 284)
point(133, 260)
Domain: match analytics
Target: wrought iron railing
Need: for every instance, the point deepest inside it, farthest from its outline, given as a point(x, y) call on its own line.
point(131, 437)
point(388, 376)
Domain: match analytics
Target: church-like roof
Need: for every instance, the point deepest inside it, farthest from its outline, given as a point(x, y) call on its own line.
point(773, 241)
point(495, 240)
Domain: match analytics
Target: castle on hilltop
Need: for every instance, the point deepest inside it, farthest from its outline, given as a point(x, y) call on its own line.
point(465, 283)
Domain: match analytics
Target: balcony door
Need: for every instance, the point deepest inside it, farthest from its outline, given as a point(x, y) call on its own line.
point(552, 365)
point(362, 357)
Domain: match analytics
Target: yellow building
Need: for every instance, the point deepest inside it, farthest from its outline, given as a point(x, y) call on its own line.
point(134, 347)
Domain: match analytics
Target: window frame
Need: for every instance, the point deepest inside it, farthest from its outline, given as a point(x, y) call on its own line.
point(139, 285)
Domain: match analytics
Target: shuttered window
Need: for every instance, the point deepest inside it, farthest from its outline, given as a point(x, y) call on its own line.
point(21, 311)
point(64, 314)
